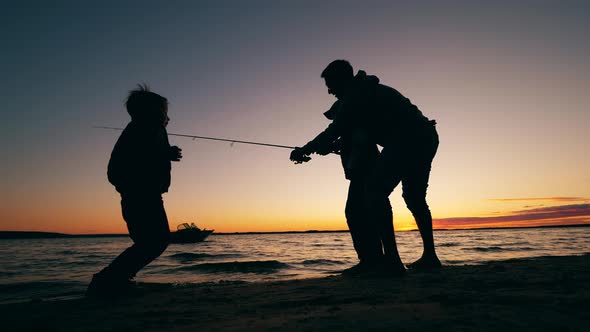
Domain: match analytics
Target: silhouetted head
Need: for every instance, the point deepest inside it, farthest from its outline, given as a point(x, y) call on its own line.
point(339, 78)
point(147, 107)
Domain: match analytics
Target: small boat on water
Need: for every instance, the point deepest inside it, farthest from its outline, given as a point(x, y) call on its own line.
point(186, 233)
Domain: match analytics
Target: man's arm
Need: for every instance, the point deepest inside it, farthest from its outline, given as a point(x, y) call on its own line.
point(323, 142)
point(333, 147)
point(326, 138)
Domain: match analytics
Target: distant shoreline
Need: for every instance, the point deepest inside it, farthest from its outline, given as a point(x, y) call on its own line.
point(5, 235)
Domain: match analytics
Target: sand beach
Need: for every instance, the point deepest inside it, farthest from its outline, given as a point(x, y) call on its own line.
point(547, 293)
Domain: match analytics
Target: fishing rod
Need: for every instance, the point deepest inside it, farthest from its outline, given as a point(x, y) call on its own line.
point(214, 139)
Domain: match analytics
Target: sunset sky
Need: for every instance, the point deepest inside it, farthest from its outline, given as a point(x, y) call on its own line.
point(507, 81)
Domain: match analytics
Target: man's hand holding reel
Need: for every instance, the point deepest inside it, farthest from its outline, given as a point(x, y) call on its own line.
point(299, 155)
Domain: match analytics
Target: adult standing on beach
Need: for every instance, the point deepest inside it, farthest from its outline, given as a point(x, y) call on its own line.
point(409, 141)
point(139, 169)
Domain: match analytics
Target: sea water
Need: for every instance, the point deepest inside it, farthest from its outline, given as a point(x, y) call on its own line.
point(61, 268)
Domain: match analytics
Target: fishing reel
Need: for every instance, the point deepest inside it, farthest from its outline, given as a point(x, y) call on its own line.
point(298, 157)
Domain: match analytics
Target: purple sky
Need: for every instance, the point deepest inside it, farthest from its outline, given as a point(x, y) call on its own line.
point(507, 82)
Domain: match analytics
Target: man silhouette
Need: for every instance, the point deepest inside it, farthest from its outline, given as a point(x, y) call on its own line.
point(139, 169)
point(409, 141)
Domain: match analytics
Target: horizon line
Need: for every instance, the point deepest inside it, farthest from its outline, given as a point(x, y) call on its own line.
point(57, 234)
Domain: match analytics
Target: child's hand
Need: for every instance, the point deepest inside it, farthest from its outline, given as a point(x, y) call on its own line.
point(175, 153)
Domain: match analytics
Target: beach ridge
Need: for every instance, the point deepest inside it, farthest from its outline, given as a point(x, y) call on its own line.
point(545, 293)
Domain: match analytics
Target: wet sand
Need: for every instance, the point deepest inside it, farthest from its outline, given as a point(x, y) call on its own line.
point(547, 294)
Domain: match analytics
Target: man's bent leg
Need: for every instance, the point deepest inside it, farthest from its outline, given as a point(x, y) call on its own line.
point(419, 208)
point(415, 184)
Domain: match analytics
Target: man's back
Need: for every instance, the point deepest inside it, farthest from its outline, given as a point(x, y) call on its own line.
point(387, 115)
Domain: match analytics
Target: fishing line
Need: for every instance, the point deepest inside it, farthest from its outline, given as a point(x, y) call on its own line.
point(231, 141)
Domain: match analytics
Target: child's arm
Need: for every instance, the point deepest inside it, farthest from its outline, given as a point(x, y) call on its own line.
point(172, 153)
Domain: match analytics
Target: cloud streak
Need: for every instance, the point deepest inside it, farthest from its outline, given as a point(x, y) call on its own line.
point(550, 199)
point(557, 215)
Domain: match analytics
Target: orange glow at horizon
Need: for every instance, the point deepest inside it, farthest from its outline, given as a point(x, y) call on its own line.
point(109, 221)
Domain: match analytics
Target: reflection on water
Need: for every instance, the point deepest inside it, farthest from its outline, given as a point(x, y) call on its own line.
point(51, 267)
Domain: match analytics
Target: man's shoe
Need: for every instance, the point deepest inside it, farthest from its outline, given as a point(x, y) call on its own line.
point(392, 269)
point(426, 264)
point(356, 270)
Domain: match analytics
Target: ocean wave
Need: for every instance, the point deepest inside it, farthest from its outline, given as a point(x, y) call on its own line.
point(67, 252)
point(83, 263)
point(209, 283)
point(93, 256)
point(191, 256)
point(261, 267)
point(496, 249)
point(9, 273)
point(486, 249)
point(321, 262)
point(332, 245)
point(46, 290)
point(523, 248)
point(289, 242)
point(36, 285)
point(450, 244)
